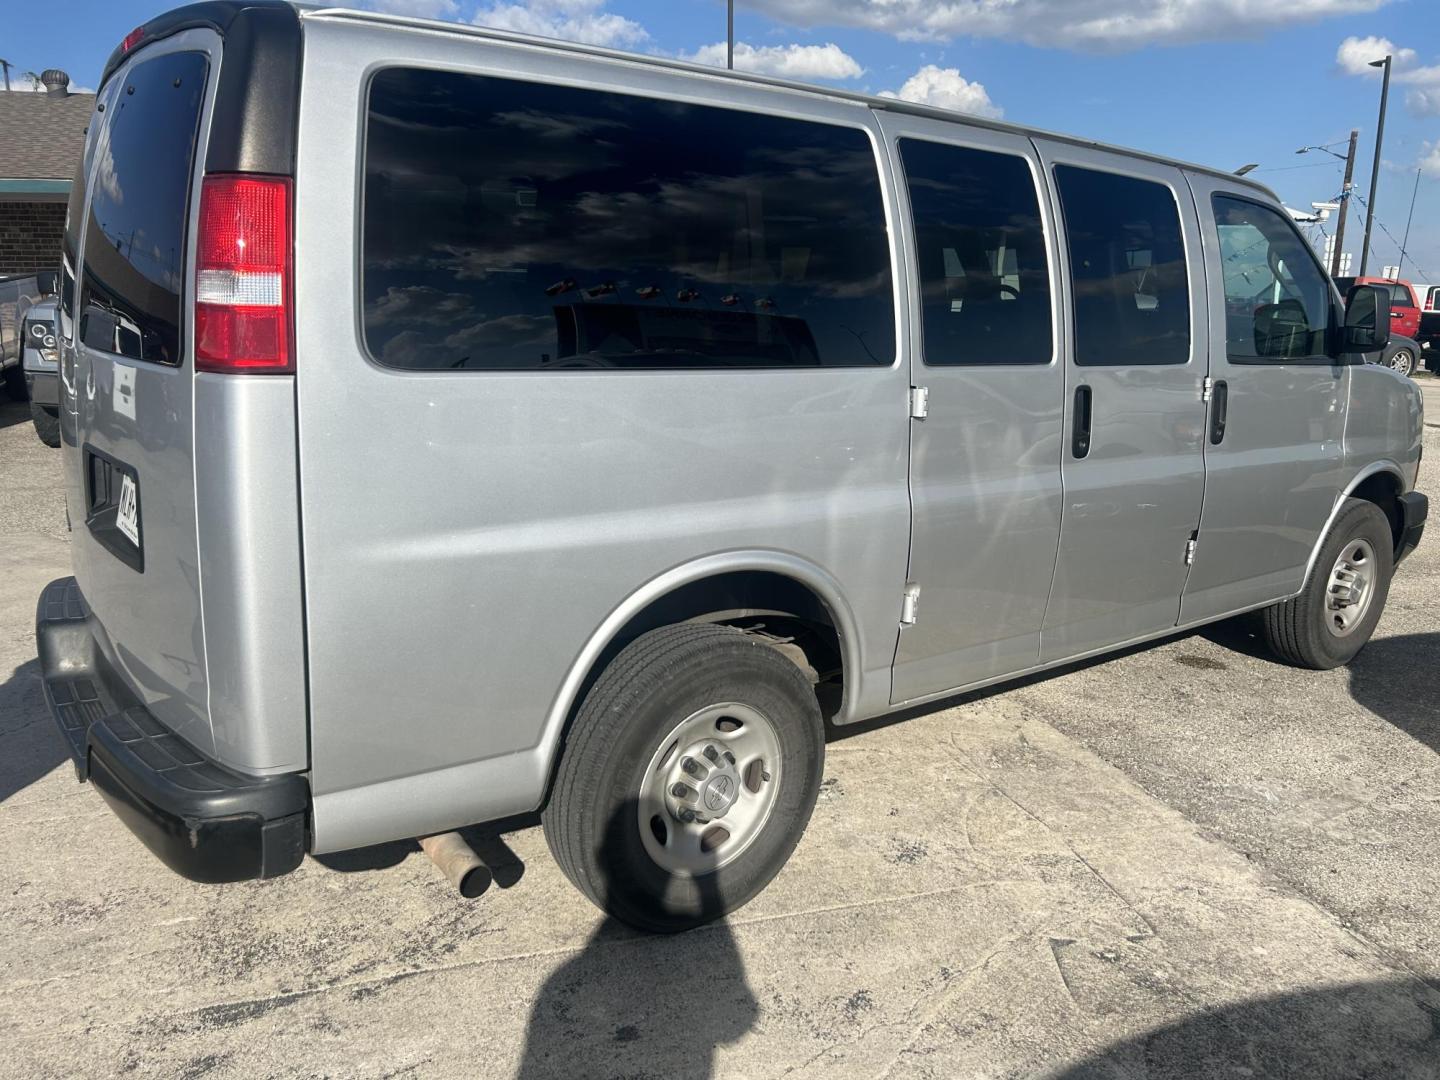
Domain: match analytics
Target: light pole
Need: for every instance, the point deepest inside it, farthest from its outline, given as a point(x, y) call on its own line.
point(730, 34)
point(1375, 170)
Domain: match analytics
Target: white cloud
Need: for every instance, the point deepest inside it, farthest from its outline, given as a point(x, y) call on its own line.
point(1424, 102)
point(1430, 158)
point(417, 9)
point(584, 21)
point(827, 61)
point(1423, 96)
point(1356, 53)
point(947, 89)
point(1091, 25)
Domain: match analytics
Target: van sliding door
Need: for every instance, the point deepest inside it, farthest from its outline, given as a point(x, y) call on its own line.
point(985, 459)
point(1133, 465)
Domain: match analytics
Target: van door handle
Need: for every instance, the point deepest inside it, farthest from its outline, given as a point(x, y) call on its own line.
point(1080, 428)
point(1219, 410)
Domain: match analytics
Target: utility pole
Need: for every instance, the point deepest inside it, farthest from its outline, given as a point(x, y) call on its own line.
point(6, 65)
point(730, 35)
point(1344, 204)
point(1375, 171)
point(1406, 242)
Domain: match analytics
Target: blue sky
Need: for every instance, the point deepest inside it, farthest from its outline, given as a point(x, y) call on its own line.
point(1222, 82)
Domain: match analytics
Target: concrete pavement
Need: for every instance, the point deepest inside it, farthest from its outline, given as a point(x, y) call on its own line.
point(1185, 862)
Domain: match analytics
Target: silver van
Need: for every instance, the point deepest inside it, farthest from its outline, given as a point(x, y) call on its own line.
point(459, 425)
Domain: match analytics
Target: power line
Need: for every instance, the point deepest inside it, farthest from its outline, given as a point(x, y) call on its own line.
point(1424, 276)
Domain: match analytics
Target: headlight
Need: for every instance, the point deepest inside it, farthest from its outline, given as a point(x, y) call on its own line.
point(41, 337)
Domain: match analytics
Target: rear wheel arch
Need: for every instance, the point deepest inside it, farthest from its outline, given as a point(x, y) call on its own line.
point(787, 601)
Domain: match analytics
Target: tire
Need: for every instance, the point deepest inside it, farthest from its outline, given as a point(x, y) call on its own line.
point(15, 384)
point(47, 424)
point(624, 743)
point(1402, 361)
point(1304, 631)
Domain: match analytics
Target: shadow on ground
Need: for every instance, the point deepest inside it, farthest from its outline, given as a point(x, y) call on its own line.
point(1381, 1029)
point(30, 746)
point(631, 1004)
point(1398, 679)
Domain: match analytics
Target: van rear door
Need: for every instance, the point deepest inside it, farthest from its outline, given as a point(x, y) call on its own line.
point(131, 460)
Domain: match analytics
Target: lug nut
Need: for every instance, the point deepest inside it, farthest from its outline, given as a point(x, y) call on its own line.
point(680, 791)
point(694, 768)
point(711, 753)
point(687, 815)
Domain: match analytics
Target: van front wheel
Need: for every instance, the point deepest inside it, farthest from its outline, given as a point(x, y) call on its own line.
point(1334, 616)
point(690, 774)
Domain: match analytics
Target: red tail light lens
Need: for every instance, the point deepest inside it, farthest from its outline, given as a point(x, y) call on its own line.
point(132, 39)
point(242, 275)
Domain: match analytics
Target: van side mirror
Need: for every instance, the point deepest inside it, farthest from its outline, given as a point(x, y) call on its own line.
point(1367, 318)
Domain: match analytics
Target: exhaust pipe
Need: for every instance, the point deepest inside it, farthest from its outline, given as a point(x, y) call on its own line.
point(458, 862)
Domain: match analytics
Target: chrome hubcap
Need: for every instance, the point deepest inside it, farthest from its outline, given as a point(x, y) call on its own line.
point(1402, 361)
point(709, 788)
point(1351, 586)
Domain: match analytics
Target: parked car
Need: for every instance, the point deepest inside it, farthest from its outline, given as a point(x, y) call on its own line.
point(626, 421)
point(1402, 355)
point(18, 293)
point(41, 365)
point(1404, 302)
point(1428, 336)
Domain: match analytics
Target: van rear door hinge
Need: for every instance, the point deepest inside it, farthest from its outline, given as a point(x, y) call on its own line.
point(910, 605)
point(919, 402)
point(1190, 546)
point(1207, 389)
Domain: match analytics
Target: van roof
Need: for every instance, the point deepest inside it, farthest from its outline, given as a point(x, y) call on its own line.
point(895, 105)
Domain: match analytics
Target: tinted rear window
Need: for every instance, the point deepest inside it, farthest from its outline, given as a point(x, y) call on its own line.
point(140, 194)
point(1127, 259)
point(512, 225)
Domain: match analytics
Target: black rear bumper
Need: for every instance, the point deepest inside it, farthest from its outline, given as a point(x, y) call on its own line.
point(1414, 509)
point(204, 821)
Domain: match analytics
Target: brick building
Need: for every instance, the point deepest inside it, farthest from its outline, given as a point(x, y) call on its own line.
point(41, 137)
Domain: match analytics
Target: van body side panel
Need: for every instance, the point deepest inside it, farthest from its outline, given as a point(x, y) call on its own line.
point(1385, 423)
point(467, 532)
point(1273, 479)
point(985, 460)
point(134, 416)
point(1133, 500)
point(249, 529)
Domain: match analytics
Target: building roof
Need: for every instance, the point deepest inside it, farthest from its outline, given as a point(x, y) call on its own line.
point(42, 135)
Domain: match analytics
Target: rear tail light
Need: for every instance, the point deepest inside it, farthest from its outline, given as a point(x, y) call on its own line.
point(132, 39)
point(242, 277)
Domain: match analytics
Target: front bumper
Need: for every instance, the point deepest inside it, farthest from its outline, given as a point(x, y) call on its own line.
point(44, 387)
point(1414, 509)
point(204, 821)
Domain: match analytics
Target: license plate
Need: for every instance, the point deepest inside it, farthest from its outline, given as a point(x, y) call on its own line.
point(127, 516)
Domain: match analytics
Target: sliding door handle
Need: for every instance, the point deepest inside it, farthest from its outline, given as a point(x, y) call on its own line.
point(1219, 411)
point(1080, 425)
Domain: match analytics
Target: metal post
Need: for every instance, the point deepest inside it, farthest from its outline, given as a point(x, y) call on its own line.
point(1375, 171)
point(1344, 204)
point(6, 65)
point(1406, 242)
point(730, 34)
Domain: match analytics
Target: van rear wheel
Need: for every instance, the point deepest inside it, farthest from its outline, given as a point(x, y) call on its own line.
point(1334, 616)
point(689, 776)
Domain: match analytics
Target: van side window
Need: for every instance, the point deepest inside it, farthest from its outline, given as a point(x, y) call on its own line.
point(1127, 260)
point(1277, 300)
point(139, 204)
point(980, 245)
point(514, 225)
